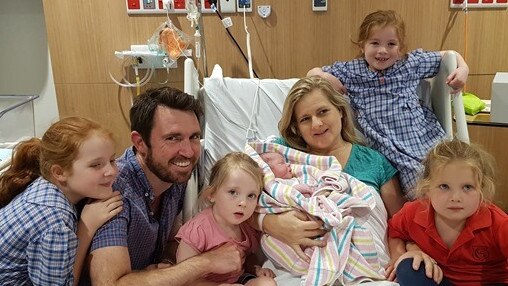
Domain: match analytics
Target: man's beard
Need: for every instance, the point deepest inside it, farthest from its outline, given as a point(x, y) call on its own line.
point(162, 171)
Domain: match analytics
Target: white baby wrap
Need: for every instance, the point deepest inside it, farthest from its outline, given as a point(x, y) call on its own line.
point(342, 202)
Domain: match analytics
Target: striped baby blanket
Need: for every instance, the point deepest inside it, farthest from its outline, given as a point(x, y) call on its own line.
point(339, 200)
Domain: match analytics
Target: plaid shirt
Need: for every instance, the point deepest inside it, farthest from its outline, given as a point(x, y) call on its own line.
point(38, 239)
point(136, 227)
point(389, 111)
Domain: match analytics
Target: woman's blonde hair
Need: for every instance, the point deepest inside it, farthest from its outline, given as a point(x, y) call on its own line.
point(33, 158)
point(221, 170)
point(287, 124)
point(381, 19)
point(481, 162)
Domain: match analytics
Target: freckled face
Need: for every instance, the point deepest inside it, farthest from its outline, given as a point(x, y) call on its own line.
point(93, 171)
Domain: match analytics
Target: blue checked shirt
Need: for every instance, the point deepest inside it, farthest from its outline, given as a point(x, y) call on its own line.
point(38, 239)
point(389, 111)
point(136, 227)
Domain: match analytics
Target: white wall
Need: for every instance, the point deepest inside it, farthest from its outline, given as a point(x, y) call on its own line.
point(25, 65)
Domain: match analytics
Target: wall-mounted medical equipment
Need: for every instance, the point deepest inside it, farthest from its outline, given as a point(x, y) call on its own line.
point(166, 45)
point(461, 4)
point(499, 98)
point(156, 6)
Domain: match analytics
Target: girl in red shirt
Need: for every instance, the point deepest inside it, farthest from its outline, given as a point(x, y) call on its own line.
point(453, 222)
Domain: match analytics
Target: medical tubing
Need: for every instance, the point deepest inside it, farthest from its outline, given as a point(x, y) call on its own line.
point(143, 81)
point(236, 43)
point(249, 53)
point(203, 44)
point(465, 37)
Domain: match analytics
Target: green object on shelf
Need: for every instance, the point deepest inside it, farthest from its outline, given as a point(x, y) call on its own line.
point(472, 104)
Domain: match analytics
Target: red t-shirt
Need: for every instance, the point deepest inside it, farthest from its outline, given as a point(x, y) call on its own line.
point(480, 253)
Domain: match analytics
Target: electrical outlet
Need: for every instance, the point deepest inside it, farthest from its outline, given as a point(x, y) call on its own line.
point(319, 5)
point(148, 4)
point(227, 6)
point(206, 6)
point(179, 4)
point(133, 4)
point(244, 5)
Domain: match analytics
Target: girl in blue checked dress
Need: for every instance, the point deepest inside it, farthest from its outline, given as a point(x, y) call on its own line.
point(382, 88)
point(42, 239)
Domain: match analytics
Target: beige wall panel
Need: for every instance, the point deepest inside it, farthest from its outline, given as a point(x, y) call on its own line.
point(105, 103)
point(487, 41)
point(494, 139)
point(480, 85)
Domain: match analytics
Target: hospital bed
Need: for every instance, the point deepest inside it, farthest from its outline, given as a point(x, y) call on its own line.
point(237, 109)
point(240, 108)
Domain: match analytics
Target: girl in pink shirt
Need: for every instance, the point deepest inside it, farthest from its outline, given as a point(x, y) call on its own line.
point(232, 195)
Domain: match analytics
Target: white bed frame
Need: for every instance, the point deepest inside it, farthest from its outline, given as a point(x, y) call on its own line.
point(267, 96)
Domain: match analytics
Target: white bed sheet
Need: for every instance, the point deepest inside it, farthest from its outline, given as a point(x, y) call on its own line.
point(229, 104)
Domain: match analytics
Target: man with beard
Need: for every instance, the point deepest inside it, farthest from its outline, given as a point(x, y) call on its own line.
point(153, 175)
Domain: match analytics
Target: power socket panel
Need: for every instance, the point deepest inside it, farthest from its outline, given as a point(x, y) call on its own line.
point(227, 6)
point(206, 6)
point(319, 5)
point(244, 5)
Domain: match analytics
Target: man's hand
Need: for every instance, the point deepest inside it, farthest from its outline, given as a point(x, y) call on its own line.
point(231, 259)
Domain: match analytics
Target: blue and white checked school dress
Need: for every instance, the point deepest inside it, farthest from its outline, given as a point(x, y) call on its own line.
point(38, 239)
point(389, 111)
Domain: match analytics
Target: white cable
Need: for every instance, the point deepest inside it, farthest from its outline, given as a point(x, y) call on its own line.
point(249, 54)
point(252, 113)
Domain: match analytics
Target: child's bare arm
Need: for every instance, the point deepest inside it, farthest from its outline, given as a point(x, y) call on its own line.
point(335, 82)
point(93, 216)
point(397, 247)
point(392, 196)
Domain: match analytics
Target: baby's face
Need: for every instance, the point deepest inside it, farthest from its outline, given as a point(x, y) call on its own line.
point(278, 165)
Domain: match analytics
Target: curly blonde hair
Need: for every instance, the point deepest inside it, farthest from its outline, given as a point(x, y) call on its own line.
point(221, 170)
point(481, 162)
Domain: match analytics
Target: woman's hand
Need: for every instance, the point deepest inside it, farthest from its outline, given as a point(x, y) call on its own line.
point(295, 229)
point(432, 270)
point(97, 212)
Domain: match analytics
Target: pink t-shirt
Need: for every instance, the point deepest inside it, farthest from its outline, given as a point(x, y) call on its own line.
point(202, 233)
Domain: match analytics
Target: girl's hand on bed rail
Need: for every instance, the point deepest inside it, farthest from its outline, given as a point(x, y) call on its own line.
point(296, 230)
point(457, 79)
